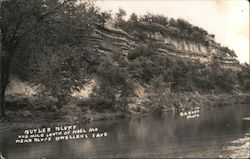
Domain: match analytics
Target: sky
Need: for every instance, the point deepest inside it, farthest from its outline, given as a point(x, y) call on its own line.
point(227, 19)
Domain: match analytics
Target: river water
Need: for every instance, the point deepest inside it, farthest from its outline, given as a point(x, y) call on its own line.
point(218, 132)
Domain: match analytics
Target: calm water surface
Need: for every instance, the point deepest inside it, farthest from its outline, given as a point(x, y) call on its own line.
point(150, 137)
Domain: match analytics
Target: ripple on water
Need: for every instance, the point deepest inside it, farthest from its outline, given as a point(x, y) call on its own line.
point(240, 147)
point(246, 118)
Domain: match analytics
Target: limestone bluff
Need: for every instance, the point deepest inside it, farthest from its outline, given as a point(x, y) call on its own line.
point(111, 39)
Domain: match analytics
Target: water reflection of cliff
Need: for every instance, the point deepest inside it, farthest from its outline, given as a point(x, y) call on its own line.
point(219, 132)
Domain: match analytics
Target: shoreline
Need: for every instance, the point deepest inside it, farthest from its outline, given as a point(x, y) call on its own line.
point(48, 118)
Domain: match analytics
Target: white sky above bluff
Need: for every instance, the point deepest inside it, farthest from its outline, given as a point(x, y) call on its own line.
point(227, 19)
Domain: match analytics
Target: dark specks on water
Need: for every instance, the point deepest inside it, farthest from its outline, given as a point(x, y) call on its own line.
point(211, 135)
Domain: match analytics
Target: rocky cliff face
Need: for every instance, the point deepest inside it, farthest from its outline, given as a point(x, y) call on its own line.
point(109, 40)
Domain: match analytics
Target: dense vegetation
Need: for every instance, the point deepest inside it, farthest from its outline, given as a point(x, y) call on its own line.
point(180, 28)
point(44, 43)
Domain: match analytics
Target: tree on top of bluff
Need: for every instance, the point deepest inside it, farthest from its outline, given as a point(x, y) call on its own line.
point(120, 14)
point(38, 30)
point(228, 52)
point(104, 16)
point(159, 23)
point(151, 18)
point(133, 17)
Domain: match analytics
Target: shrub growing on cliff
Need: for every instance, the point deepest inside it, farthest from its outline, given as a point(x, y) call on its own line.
point(144, 62)
point(116, 86)
point(160, 98)
point(225, 80)
point(244, 77)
